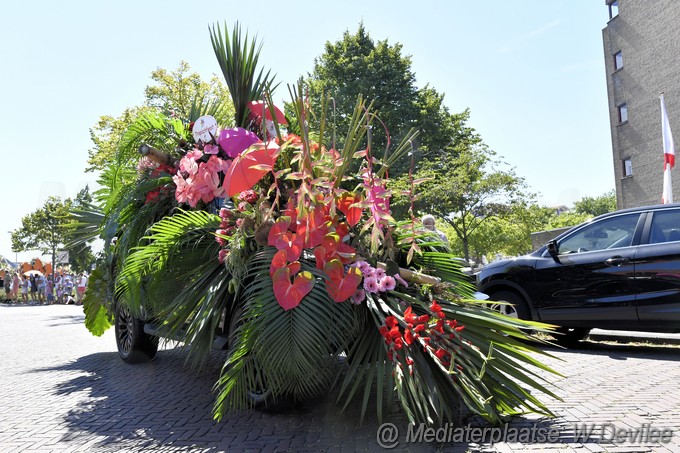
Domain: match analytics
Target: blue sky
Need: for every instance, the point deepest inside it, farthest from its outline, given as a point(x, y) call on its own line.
point(531, 72)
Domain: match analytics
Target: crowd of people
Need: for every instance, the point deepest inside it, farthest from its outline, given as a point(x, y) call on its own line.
point(36, 288)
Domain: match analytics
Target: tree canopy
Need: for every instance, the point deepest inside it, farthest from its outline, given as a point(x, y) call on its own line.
point(43, 230)
point(357, 66)
point(179, 93)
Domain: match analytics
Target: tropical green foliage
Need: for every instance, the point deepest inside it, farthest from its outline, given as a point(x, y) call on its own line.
point(177, 94)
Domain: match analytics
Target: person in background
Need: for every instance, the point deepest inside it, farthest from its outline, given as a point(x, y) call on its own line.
point(16, 283)
point(7, 282)
point(25, 285)
point(41, 282)
point(68, 287)
point(81, 284)
point(428, 224)
point(33, 287)
point(49, 289)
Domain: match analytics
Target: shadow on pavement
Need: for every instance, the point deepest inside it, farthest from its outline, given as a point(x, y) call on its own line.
point(165, 404)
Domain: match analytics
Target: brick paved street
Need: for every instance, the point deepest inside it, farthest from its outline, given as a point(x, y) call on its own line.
point(64, 390)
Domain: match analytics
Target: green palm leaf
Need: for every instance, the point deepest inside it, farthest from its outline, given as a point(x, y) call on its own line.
point(238, 57)
point(294, 350)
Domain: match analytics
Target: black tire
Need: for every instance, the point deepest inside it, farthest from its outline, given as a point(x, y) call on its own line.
point(134, 345)
point(570, 337)
point(517, 307)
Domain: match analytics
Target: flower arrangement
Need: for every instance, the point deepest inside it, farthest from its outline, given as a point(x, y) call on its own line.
point(273, 232)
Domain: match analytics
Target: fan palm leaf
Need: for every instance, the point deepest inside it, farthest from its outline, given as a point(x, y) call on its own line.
point(294, 350)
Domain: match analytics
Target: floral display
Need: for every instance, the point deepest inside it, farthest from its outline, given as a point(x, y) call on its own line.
point(288, 236)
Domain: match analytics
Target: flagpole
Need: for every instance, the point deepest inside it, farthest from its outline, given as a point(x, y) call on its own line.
point(668, 154)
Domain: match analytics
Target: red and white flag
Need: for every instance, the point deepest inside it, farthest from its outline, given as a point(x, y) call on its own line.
point(668, 155)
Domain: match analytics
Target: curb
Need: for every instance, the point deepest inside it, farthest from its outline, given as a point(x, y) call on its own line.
point(634, 337)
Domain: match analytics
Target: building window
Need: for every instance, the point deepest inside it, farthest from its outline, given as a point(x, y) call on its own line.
point(623, 113)
point(618, 60)
point(613, 9)
point(627, 167)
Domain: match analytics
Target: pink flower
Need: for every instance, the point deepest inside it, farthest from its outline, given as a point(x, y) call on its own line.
point(401, 281)
point(182, 190)
point(379, 273)
point(222, 255)
point(358, 296)
point(371, 284)
point(211, 149)
point(387, 283)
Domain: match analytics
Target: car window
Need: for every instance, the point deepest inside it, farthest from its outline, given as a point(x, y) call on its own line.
point(610, 233)
point(665, 227)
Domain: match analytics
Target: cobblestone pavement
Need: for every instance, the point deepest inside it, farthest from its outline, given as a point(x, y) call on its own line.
point(61, 390)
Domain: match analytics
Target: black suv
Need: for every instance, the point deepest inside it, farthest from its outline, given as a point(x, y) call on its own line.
point(617, 271)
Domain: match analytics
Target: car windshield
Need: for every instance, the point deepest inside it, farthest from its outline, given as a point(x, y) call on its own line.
point(608, 233)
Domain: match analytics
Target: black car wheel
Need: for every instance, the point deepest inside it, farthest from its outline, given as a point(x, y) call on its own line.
point(570, 336)
point(134, 345)
point(513, 304)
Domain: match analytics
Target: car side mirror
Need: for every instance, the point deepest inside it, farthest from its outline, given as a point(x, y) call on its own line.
point(553, 250)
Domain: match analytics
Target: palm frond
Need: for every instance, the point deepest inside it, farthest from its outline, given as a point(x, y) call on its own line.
point(493, 371)
point(294, 350)
point(238, 58)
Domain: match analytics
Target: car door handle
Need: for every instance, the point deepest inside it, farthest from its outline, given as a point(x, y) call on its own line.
point(616, 261)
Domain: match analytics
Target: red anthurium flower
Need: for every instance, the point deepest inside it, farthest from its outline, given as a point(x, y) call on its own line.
point(289, 295)
point(345, 253)
point(279, 228)
point(320, 257)
point(342, 230)
point(280, 260)
point(249, 167)
point(352, 213)
point(341, 286)
point(292, 244)
point(312, 228)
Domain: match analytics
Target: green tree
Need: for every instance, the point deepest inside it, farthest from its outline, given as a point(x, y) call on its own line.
point(595, 206)
point(464, 187)
point(44, 230)
point(40, 229)
point(177, 93)
point(356, 66)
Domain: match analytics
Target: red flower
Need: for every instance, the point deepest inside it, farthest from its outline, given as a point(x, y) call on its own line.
point(435, 307)
point(408, 337)
point(409, 317)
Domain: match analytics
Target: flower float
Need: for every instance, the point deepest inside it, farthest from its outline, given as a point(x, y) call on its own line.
point(283, 243)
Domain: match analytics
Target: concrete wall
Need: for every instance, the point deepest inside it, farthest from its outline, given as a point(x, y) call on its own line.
point(540, 238)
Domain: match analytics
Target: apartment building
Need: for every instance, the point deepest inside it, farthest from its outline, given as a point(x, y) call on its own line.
point(642, 60)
